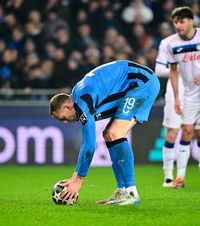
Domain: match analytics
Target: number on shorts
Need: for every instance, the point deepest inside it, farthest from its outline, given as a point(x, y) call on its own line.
point(130, 101)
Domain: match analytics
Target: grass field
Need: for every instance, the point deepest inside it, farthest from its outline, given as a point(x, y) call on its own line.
point(25, 198)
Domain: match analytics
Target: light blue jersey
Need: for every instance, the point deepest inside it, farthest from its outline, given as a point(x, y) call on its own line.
point(120, 90)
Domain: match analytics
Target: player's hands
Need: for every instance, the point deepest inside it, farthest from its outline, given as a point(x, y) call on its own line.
point(197, 80)
point(72, 187)
point(177, 106)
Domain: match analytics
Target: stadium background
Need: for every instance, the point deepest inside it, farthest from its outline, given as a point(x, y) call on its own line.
point(47, 46)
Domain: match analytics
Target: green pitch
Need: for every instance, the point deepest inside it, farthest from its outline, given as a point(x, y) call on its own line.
point(25, 198)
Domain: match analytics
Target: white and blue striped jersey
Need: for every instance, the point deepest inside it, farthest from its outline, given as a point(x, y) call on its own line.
point(187, 54)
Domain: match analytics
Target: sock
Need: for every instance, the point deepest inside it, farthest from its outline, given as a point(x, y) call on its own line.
point(124, 161)
point(168, 160)
point(133, 189)
point(183, 156)
point(115, 167)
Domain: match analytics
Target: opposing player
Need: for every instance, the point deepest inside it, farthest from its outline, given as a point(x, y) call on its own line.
point(123, 91)
point(184, 50)
point(172, 120)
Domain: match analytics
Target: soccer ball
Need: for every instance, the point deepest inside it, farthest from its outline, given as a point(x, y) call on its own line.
point(57, 189)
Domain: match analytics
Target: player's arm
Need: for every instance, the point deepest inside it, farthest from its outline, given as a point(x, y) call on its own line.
point(87, 147)
point(161, 68)
point(174, 81)
point(85, 156)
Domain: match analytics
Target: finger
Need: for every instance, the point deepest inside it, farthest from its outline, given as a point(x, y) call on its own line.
point(64, 184)
point(72, 196)
point(63, 193)
point(76, 196)
point(67, 196)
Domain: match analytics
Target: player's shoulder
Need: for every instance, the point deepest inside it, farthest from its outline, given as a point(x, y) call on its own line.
point(197, 31)
point(169, 39)
point(166, 41)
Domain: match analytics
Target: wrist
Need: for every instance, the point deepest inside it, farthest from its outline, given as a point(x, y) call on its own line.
point(76, 176)
point(80, 177)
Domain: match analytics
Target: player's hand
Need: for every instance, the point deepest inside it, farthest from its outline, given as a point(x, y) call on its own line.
point(73, 186)
point(177, 106)
point(197, 80)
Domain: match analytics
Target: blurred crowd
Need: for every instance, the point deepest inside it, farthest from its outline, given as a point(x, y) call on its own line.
point(51, 44)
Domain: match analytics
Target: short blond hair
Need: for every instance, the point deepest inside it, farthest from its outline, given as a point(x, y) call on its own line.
point(57, 101)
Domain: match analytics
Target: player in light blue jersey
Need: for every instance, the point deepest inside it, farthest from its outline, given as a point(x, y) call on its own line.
point(123, 91)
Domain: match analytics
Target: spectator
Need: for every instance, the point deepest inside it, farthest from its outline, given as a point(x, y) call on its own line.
point(37, 78)
point(63, 39)
point(81, 34)
point(7, 68)
point(137, 12)
point(59, 76)
point(8, 24)
point(85, 37)
point(52, 23)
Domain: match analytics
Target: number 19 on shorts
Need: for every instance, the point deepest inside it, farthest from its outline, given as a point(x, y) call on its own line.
point(130, 101)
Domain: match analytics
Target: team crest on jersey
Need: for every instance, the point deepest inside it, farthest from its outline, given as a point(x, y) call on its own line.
point(83, 119)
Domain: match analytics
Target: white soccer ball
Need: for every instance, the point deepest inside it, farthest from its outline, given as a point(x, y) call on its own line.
point(57, 189)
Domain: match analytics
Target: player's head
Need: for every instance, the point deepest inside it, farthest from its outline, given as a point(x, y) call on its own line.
point(61, 107)
point(183, 21)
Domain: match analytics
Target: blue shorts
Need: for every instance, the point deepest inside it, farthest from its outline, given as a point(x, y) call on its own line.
point(138, 102)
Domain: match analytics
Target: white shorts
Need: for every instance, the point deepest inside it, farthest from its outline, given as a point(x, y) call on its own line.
point(171, 118)
point(191, 114)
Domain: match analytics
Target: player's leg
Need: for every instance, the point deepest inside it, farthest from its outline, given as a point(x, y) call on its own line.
point(172, 123)
point(113, 157)
point(168, 156)
point(134, 107)
point(190, 117)
point(123, 160)
point(183, 155)
point(116, 141)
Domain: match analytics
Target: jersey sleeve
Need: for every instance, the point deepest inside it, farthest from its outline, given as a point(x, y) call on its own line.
point(86, 117)
point(171, 57)
point(161, 68)
point(162, 57)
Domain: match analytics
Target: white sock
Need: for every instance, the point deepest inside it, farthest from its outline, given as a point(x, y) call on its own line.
point(134, 190)
point(183, 156)
point(168, 162)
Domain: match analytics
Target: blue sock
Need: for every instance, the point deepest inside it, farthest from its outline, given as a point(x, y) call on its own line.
point(123, 162)
point(115, 167)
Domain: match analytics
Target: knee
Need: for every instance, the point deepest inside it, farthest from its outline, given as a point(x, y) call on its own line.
point(110, 135)
point(187, 133)
point(171, 135)
point(197, 134)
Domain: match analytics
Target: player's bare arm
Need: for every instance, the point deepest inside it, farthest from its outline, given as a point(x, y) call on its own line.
point(174, 80)
point(73, 186)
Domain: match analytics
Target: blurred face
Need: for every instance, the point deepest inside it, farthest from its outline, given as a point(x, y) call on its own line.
point(184, 27)
point(65, 114)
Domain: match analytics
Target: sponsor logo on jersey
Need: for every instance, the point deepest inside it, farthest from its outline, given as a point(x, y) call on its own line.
point(190, 57)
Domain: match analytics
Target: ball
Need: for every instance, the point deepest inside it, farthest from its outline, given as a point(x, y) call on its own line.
point(57, 190)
